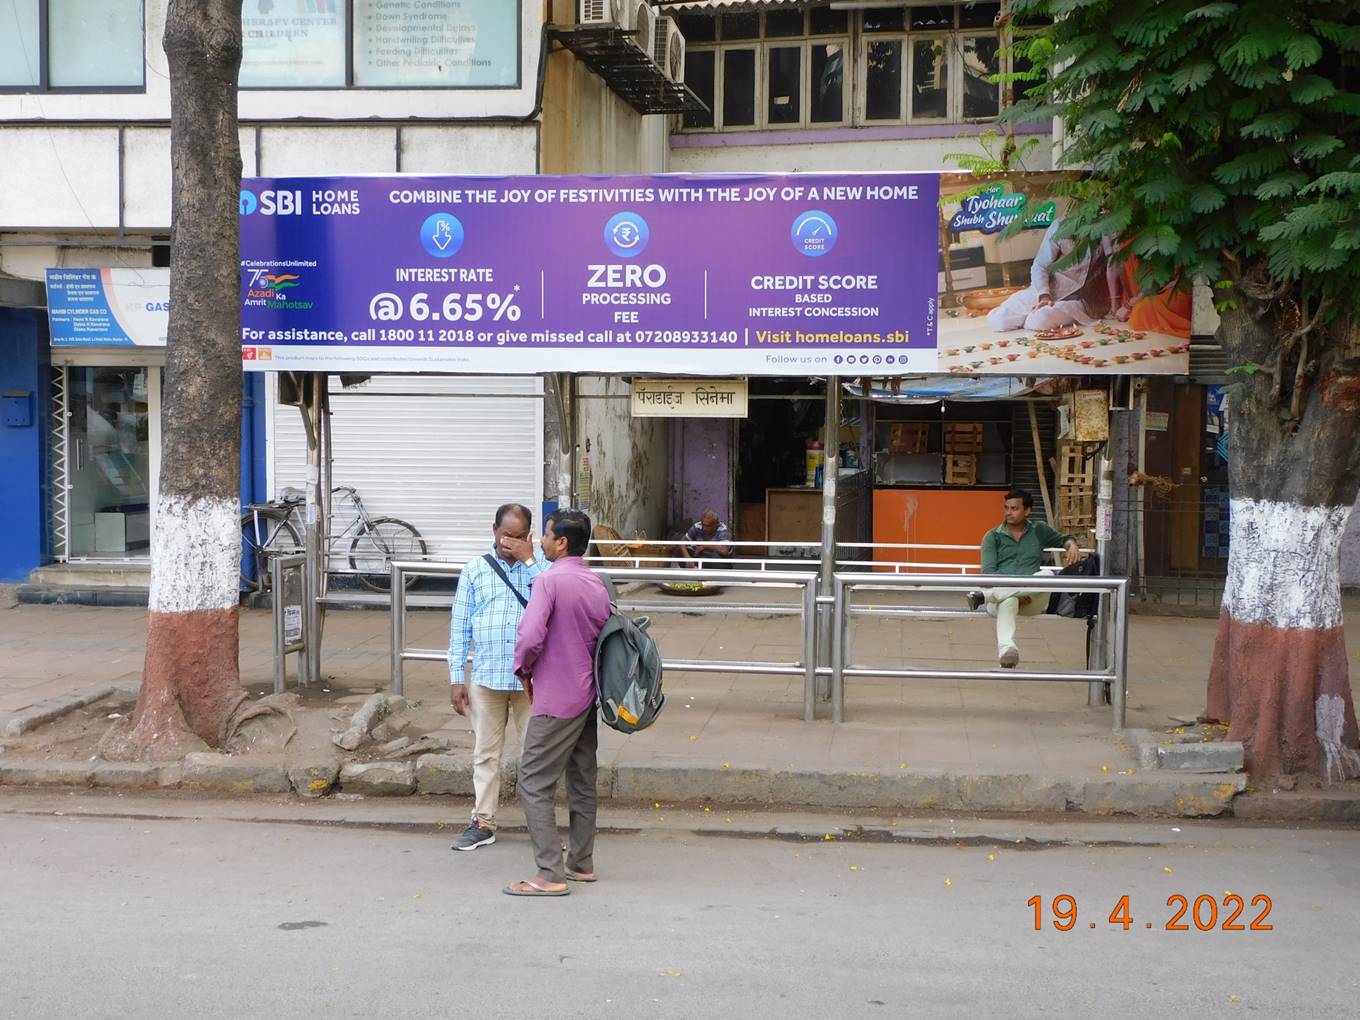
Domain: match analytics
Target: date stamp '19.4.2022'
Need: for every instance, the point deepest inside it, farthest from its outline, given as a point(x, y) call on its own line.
point(1203, 913)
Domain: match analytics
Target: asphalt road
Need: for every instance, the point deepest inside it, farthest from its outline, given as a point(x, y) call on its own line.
point(145, 916)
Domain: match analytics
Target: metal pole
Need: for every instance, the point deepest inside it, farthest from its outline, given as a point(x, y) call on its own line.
point(398, 629)
point(1121, 653)
point(1095, 693)
point(838, 650)
point(809, 621)
point(315, 552)
point(280, 643)
point(831, 434)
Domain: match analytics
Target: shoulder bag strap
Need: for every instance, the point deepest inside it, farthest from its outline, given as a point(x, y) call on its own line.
point(500, 572)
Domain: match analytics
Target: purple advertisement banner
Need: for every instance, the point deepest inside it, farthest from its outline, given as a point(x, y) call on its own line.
point(744, 274)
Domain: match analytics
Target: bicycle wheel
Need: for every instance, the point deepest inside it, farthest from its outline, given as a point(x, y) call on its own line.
point(373, 550)
point(276, 534)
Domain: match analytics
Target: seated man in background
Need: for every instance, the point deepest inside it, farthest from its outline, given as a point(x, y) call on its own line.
point(1016, 547)
point(708, 528)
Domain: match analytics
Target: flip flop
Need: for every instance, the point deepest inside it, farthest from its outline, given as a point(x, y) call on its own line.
point(527, 888)
point(580, 876)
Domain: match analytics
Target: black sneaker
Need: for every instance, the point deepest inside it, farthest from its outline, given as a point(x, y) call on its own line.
point(975, 600)
point(473, 836)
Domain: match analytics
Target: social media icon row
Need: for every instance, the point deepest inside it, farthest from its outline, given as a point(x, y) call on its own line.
point(868, 359)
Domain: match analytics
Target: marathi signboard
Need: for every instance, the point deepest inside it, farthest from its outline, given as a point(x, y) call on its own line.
point(689, 398)
point(98, 307)
point(802, 274)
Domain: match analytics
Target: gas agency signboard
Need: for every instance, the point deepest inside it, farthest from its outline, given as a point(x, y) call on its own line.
point(698, 275)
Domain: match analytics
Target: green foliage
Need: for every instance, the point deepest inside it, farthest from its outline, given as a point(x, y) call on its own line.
point(1220, 137)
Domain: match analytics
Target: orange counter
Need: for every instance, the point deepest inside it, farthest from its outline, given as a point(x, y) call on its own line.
point(934, 517)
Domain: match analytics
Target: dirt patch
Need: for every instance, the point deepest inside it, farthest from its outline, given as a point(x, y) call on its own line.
point(75, 736)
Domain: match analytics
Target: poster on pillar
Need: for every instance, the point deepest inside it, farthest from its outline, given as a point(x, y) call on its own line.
point(1012, 302)
point(699, 275)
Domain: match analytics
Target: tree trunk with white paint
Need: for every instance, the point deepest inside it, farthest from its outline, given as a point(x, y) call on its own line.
point(1279, 676)
point(191, 682)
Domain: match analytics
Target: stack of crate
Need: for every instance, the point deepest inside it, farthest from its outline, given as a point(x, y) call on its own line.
point(962, 444)
point(908, 436)
point(1076, 488)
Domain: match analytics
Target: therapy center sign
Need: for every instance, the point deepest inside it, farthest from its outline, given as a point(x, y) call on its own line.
point(707, 275)
point(703, 275)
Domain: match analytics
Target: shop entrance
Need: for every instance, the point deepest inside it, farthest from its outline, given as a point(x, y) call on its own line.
point(781, 450)
point(105, 460)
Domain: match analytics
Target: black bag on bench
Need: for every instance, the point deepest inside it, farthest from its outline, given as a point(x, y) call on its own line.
point(1077, 605)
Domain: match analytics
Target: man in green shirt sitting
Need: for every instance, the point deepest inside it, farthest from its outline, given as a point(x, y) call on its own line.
point(1016, 547)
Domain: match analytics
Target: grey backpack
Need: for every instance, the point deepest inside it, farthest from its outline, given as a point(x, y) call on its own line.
point(628, 674)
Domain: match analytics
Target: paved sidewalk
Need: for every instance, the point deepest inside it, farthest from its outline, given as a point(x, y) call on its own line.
point(725, 721)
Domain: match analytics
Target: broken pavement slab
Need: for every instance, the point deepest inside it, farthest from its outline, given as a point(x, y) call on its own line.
point(1185, 749)
point(371, 714)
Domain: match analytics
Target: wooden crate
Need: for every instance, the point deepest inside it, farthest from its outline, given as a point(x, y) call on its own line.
point(1076, 488)
point(1074, 469)
point(963, 437)
point(1076, 510)
point(908, 436)
point(960, 469)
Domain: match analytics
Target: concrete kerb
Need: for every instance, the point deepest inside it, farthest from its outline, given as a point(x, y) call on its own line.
point(44, 712)
point(223, 773)
point(1166, 794)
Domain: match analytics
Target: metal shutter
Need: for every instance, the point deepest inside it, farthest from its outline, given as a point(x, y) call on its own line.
point(440, 452)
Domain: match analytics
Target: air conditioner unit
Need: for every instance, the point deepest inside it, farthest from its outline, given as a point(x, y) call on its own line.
point(615, 13)
point(644, 20)
point(669, 49)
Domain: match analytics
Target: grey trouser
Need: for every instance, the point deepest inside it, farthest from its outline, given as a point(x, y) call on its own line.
point(551, 747)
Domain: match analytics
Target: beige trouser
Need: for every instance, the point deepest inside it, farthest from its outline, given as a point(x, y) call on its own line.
point(491, 712)
point(1004, 604)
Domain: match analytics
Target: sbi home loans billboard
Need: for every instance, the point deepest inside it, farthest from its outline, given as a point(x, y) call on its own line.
point(805, 274)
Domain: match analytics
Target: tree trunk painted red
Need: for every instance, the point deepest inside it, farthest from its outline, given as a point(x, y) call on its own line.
point(1279, 676)
point(191, 684)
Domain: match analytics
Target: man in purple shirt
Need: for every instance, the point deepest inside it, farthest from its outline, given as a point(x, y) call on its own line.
point(555, 660)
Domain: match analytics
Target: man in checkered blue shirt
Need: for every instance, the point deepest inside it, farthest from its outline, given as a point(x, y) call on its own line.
point(486, 615)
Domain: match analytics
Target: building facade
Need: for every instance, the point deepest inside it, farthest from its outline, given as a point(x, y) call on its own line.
point(337, 87)
point(328, 87)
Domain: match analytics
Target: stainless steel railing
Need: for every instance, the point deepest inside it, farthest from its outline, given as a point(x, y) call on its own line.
point(805, 608)
point(1112, 670)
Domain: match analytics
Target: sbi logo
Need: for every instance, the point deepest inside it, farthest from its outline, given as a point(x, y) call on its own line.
point(626, 234)
point(272, 203)
point(814, 233)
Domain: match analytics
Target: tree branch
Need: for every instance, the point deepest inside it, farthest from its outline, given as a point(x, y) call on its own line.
point(1296, 398)
point(1302, 332)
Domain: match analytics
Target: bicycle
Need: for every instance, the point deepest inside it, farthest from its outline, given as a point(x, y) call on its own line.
point(271, 528)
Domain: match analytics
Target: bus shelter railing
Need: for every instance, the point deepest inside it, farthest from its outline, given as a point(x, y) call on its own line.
point(1111, 665)
point(805, 608)
point(966, 561)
